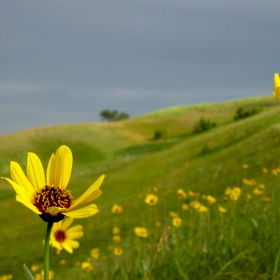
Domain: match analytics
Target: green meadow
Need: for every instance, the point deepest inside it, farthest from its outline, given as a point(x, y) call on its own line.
point(241, 243)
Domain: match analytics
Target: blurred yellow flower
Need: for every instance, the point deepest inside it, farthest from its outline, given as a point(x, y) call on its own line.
point(181, 194)
point(248, 196)
point(222, 209)
point(117, 209)
point(47, 196)
point(95, 253)
point(153, 189)
point(40, 276)
point(210, 199)
point(157, 224)
point(193, 194)
point(264, 170)
point(274, 172)
point(258, 192)
point(6, 277)
point(176, 221)
point(202, 209)
point(245, 166)
point(185, 207)
point(116, 230)
point(266, 199)
point(34, 267)
point(118, 251)
point(141, 232)
point(62, 262)
point(173, 214)
point(151, 199)
point(117, 239)
point(276, 90)
point(86, 266)
point(62, 237)
point(233, 193)
point(249, 182)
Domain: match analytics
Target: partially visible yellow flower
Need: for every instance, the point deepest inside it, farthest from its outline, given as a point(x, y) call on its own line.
point(264, 170)
point(276, 90)
point(34, 267)
point(151, 199)
point(248, 196)
point(181, 194)
point(86, 266)
point(62, 237)
point(40, 276)
point(116, 230)
point(118, 251)
point(193, 194)
point(202, 209)
point(233, 193)
point(117, 239)
point(249, 182)
point(47, 195)
point(258, 192)
point(141, 232)
point(157, 224)
point(95, 253)
point(222, 209)
point(6, 277)
point(117, 209)
point(210, 199)
point(262, 186)
point(173, 214)
point(62, 262)
point(185, 207)
point(275, 172)
point(176, 221)
point(245, 166)
point(266, 199)
point(153, 189)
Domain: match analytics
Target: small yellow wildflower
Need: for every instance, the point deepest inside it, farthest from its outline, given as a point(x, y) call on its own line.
point(222, 209)
point(181, 194)
point(276, 89)
point(266, 199)
point(262, 186)
point(62, 237)
point(141, 232)
point(185, 207)
point(245, 166)
point(233, 193)
point(86, 266)
point(210, 199)
point(264, 170)
point(151, 199)
point(62, 262)
point(6, 277)
point(176, 221)
point(95, 253)
point(40, 276)
point(118, 251)
point(117, 209)
point(173, 214)
point(157, 224)
point(248, 196)
point(116, 230)
point(249, 182)
point(193, 194)
point(117, 239)
point(153, 190)
point(34, 267)
point(274, 172)
point(258, 192)
point(202, 209)
point(47, 195)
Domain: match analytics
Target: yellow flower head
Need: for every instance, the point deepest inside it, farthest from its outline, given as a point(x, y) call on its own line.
point(151, 199)
point(95, 253)
point(222, 209)
point(118, 251)
point(185, 207)
point(276, 90)
point(141, 232)
point(117, 209)
point(62, 262)
point(264, 170)
point(117, 239)
point(245, 166)
point(6, 277)
point(193, 194)
point(62, 237)
point(40, 276)
point(210, 199)
point(34, 268)
point(153, 190)
point(116, 230)
point(181, 194)
point(86, 266)
point(258, 192)
point(173, 214)
point(176, 221)
point(47, 196)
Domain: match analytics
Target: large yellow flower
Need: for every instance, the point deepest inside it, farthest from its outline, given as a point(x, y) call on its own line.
point(276, 90)
point(47, 196)
point(62, 237)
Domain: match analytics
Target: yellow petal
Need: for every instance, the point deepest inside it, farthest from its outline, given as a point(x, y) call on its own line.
point(67, 246)
point(35, 171)
point(66, 223)
point(53, 210)
point(60, 167)
point(74, 244)
point(89, 194)
point(75, 229)
point(75, 235)
point(84, 212)
point(28, 204)
point(276, 92)
point(20, 191)
point(276, 80)
point(19, 177)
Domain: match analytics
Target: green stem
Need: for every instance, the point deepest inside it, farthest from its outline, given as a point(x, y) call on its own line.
point(47, 251)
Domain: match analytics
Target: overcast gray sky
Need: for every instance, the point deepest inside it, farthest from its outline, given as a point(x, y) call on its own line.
point(64, 61)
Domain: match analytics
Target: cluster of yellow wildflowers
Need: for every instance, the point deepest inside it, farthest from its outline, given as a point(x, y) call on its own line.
point(249, 182)
point(182, 194)
point(210, 199)
point(259, 190)
point(198, 206)
point(233, 193)
point(6, 277)
point(141, 232)
point(117, 209)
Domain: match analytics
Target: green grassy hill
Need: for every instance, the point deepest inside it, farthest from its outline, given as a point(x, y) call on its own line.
point(133, 161)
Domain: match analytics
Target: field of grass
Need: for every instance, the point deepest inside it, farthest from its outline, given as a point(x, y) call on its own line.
point(242, 243)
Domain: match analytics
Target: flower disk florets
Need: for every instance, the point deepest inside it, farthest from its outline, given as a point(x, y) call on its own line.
point(60, 236)
point(52, 196)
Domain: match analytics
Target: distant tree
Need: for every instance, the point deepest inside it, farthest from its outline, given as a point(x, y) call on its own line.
point(114, 115)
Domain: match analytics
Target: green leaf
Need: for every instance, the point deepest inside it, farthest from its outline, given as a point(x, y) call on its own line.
point(28, 274)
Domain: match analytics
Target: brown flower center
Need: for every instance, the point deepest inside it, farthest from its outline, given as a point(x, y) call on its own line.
point(52, 196)
point(60, 235)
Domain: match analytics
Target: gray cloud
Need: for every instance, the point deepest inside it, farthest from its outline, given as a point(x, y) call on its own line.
point(65, 61)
